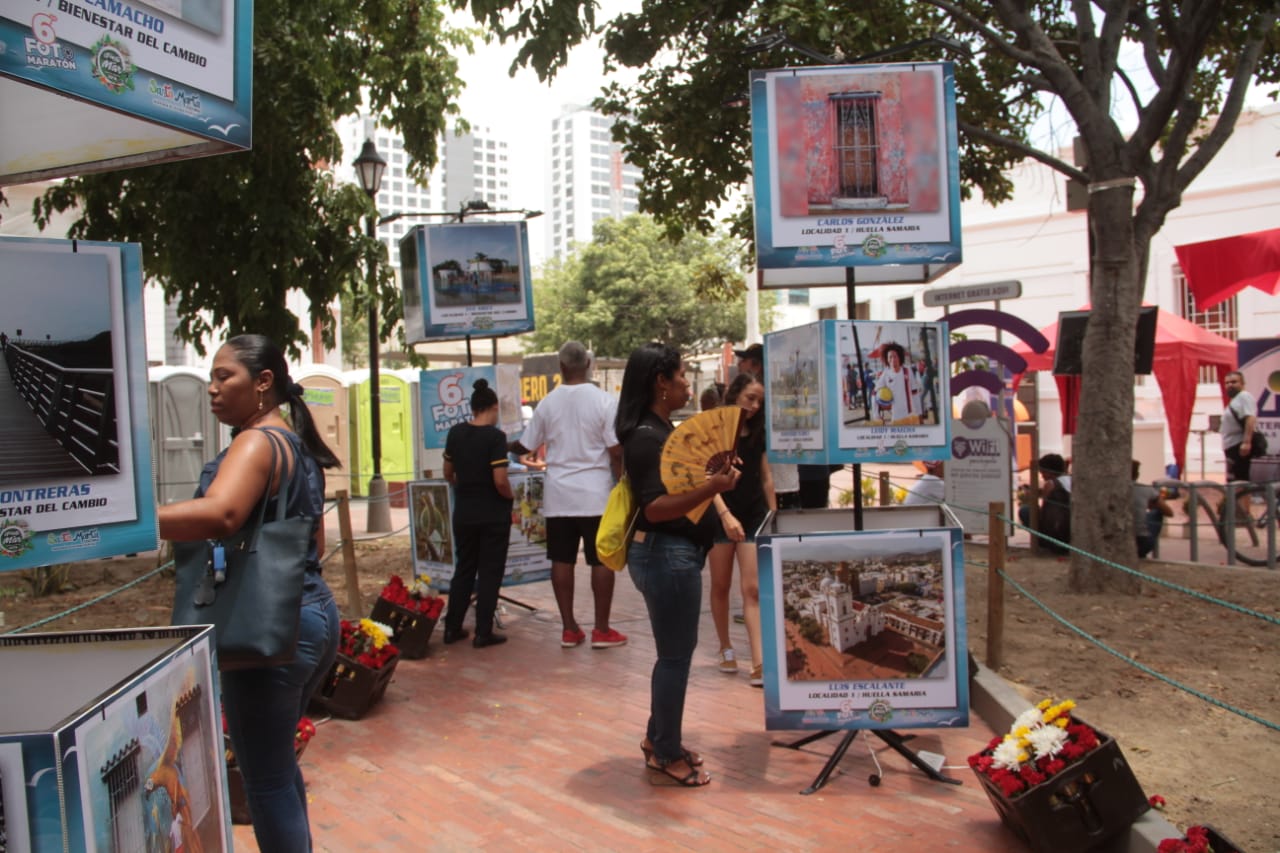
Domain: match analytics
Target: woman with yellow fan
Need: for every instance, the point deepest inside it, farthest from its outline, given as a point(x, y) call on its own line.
point(741, 512)
point(666, 556)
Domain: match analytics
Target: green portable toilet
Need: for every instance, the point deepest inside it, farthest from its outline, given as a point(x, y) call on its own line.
point(325, 391)
point(396, 414)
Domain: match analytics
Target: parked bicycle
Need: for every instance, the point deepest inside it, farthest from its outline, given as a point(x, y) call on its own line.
point(1243, 515)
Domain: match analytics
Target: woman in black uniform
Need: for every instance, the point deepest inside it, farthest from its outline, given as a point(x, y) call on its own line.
point(475, 462)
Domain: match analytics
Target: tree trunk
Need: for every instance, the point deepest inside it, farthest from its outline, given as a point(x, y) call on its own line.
point(1101, 493)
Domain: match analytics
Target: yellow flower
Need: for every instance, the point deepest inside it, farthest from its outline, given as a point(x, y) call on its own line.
point(374, 631)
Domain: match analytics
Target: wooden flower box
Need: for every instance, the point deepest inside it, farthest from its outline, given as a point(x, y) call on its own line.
point(1077, 809)
point(412, 629)
point(352, 688)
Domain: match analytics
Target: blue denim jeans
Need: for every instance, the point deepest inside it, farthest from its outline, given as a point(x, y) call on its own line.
point(668, 572)
point(263, 707)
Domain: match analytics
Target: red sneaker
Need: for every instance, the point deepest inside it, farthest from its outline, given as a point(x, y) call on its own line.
point(607, 639)
point(569, 638)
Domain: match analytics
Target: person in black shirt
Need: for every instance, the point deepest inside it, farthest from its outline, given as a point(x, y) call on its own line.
point(665, 558)
point(475, 462)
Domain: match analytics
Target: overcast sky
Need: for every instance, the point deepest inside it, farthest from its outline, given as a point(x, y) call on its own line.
point(520, 110)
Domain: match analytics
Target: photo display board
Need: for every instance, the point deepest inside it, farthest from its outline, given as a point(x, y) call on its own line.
point(839, 392)
point(112, 741)
point(863, 629)
point(431, 529)
point(90, 85)
point(857, 166)
point(73, 403)
point(466, 280)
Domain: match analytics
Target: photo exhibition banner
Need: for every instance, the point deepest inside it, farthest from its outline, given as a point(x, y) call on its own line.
point(112, 84)
point(431, 530)
point(864, 630)
point(445, 397)
point(840, 392)
point(466, 280)
point(856, 166)
point(76, 477)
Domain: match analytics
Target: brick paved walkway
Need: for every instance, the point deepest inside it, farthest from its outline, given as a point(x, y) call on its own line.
point(530, 746)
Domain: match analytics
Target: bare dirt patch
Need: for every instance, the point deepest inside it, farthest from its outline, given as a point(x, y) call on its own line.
point(1211, 765)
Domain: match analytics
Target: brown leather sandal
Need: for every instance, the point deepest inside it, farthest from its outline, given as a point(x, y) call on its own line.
point(669, 774)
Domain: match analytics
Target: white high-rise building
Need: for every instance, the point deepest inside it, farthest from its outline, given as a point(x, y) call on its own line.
point(589, 178)
point(472, 167)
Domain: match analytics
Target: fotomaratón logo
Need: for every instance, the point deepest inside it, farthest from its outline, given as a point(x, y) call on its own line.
point(112, 65)
point(15, 538)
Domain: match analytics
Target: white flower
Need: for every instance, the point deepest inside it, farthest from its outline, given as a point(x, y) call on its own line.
point(385, 629)
point(1008, 755)
point(1028, 719)
point(1046, 740)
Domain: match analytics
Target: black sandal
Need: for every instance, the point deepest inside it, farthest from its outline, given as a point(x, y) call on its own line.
point(692, 758)
point(662, 774)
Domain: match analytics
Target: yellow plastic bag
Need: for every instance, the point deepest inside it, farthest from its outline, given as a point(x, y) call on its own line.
point(617, 526)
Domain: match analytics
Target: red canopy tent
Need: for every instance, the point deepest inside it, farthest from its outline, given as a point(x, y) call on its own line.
point(1218, 269)
point(1181, 349)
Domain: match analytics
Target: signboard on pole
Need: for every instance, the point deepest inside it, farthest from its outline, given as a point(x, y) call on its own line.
point(941, 297)
point(979, 471)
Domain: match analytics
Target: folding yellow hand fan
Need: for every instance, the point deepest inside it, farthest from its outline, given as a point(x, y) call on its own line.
point(698, 448)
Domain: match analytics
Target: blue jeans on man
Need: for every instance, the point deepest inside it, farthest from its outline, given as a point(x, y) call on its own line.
point(668, 572)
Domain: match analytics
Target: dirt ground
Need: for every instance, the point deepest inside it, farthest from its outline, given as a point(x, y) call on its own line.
point(1211, 765)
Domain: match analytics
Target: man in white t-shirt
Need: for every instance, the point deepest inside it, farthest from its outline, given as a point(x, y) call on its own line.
point(575, 422)
point(930, 489)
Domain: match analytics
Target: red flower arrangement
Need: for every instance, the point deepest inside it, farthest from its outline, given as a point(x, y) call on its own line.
point(417, 598)
point(1043, 741)
point(1199, 839)
point(368, 643)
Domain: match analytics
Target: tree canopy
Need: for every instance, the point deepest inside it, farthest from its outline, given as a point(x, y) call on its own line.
point(228, 236)
point(1196, 61)
point(631, 285)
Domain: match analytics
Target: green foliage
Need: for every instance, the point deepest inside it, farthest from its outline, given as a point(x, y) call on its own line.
point(812, 631)
point(631, 285)
point(48, 580)
point(229, 236)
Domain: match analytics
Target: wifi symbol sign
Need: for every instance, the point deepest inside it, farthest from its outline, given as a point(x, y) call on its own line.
point(991, 350)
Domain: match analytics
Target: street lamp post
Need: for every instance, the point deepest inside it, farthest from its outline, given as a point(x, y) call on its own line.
point(369, 168)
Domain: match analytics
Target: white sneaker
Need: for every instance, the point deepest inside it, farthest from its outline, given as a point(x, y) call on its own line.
point(728, 661)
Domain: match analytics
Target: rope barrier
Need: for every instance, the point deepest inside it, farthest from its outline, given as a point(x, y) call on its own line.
point(46, 620)
point(1145, 577)
point(1144, 668)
